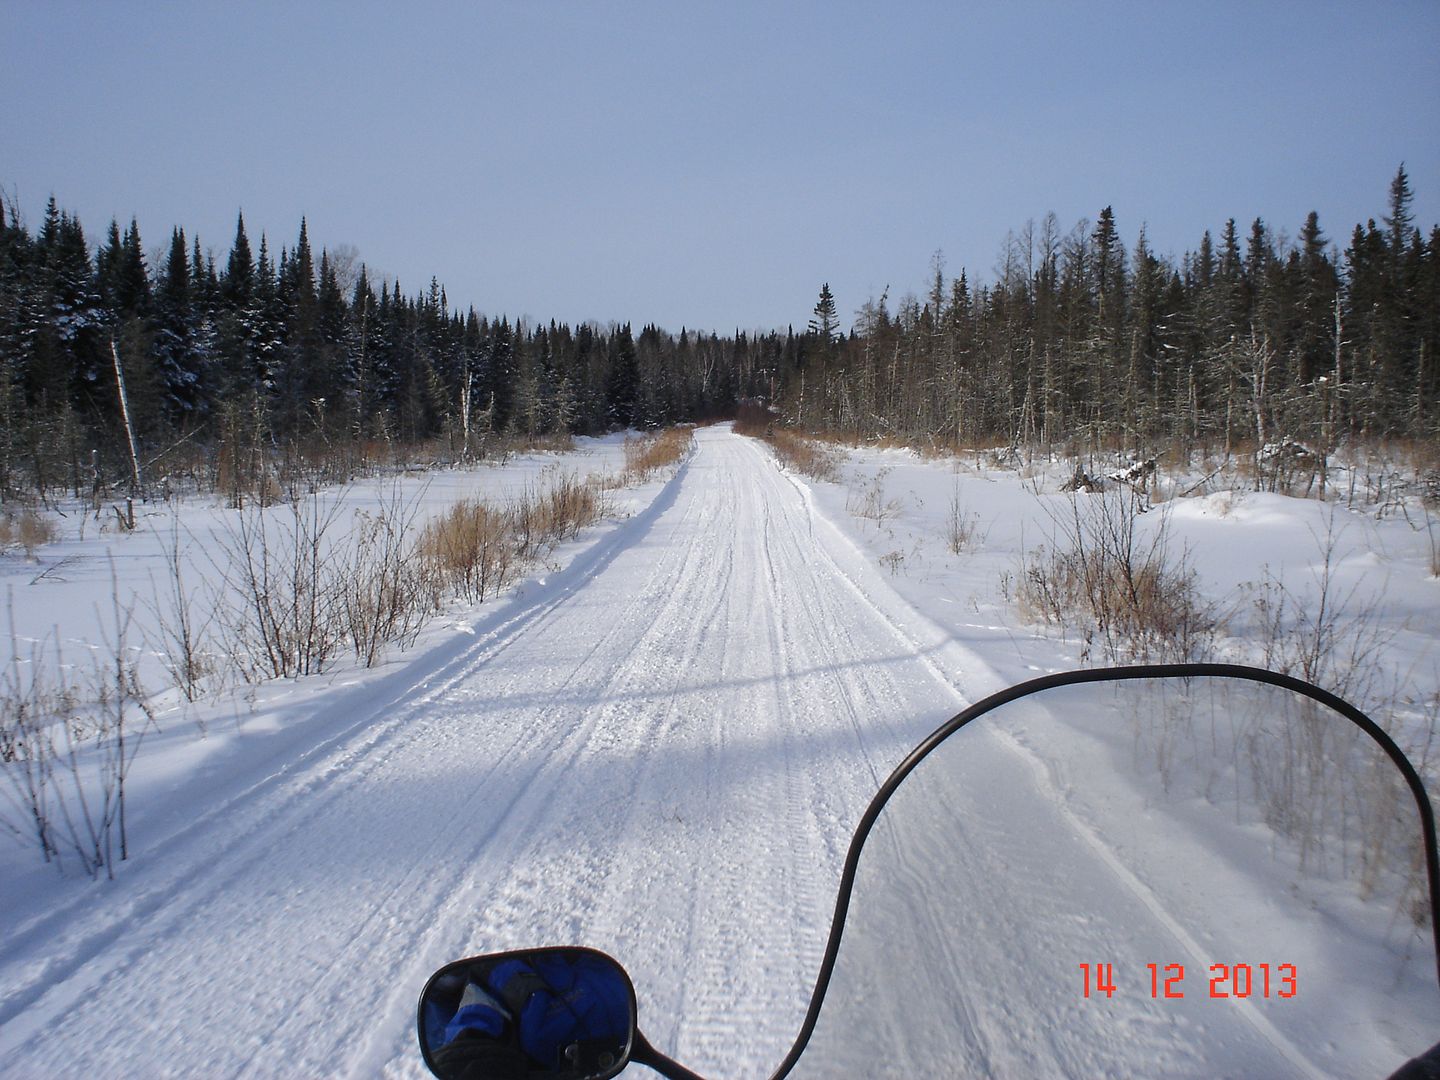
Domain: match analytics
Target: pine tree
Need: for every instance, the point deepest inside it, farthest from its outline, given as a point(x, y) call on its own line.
point(332, 374)
point(176, 356)
point(73, 345)
point(495, 371)
point(1314, 343)
point(1400, 222)
point(265, 321)
point(132, 279)
point(1109, 270)
point(623, 387)
point(300, 384)
point(18, 320)
point(1397, 320)
point(240, 268)
point(824, 323)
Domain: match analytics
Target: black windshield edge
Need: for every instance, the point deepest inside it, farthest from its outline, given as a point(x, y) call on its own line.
point(1091, 675)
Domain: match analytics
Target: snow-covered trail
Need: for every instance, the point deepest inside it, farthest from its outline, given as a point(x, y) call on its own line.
point(660, 752)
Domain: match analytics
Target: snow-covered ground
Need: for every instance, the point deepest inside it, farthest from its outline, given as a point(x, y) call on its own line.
point(659, 745)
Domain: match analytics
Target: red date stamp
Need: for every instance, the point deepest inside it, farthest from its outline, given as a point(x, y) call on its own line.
point(1167, 981)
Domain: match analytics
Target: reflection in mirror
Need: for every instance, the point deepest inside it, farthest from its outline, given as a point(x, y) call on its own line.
point(567, 1013)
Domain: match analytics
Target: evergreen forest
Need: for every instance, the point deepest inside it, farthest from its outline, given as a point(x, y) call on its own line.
point(121, 369)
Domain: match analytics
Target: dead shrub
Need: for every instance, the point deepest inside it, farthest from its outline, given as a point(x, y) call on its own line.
point(279, 606)
point(385, 594)
point(805, 455)
point(68, 739)
point(1122, 590)
point(868, 501)
point(570, 505)
point(813, 459)
point(961, 525)
point(645, 454)
point(471, 548)
point(541, 519)
point(476, 549)
point(1332, 639)
point(26, 530)
point(182, 630)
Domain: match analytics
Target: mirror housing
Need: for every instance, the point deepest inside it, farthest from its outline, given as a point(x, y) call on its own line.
point(567, 1013)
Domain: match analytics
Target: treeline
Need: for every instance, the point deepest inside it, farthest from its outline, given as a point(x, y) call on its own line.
point(1078, 340)
point(231, 367)
point(1246, 340)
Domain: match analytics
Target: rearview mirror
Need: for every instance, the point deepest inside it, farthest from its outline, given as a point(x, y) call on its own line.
point(567, 1013)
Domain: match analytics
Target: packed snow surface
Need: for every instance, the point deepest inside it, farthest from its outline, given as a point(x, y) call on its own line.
point(660, 749)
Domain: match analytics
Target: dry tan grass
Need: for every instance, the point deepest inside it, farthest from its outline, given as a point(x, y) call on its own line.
point(645, 454)
point(1126, 591)
point(809, 455)
point(476, 549)
point(814, 459)
point(471, 548)
point(26, 530)
point(540, 520)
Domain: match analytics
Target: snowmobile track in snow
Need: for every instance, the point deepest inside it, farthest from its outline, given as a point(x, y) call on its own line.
point(660, 751)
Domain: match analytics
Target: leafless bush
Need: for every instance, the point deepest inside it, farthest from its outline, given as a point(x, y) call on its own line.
point(1327, 793)
point(575, 505)
point(385, 594)
point(476, 549)
point(807, 456)
point(30, 700)
point(1120, 588)
point(1334, 641)
point(26, 530)
point(280, 604)
point(1431, 526)
point(527, 524)
point(1306, 773)
point(182, 631)
point(294, 593)
point(961, 526)
point(68, 739)
point(242, 467)
point(869, 501)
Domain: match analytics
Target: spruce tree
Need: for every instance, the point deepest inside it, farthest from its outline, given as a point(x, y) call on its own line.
point(176, 357)
point(1400, 222)
point(1314, 344)
point(132, 278)
point(240, 268)
point(824, 322)
point(1109, 270)
point(623, 387)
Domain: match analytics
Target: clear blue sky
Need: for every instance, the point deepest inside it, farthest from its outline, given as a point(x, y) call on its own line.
point(710, 165)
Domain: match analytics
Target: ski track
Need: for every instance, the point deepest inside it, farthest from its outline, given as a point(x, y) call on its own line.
point(662, 752)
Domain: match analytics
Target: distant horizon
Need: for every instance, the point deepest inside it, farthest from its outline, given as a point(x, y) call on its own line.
point(709, 170)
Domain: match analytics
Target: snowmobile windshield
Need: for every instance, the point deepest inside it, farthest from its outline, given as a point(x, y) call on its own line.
point(1203, 875)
